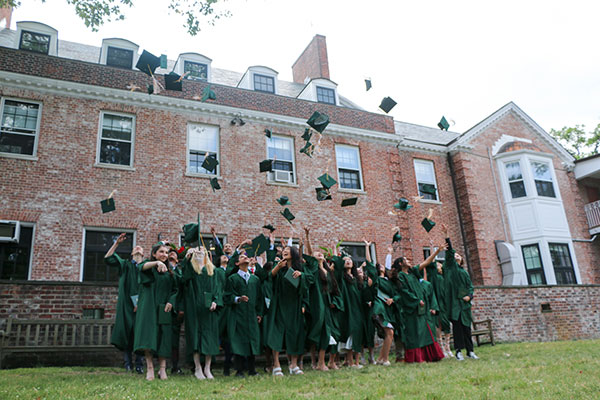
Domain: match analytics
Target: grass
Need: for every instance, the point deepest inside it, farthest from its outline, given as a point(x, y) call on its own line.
point(555, 370)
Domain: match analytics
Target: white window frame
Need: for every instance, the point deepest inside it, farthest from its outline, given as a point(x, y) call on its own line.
point(104, 229)
point(431, 164)
point(31, 255)
point(441, 255)
point(99, 141)
point(317, 87)
point(310, 90)
point(119, 43)
point(518, 161)
point(531, 161)
point(37, 128)
point(359, 170)
point(38, 27)
point(194, 58)
point(188, 172)
point(271, 175)
point(372, 249)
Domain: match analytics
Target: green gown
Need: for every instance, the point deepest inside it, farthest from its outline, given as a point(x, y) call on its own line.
point(286, 322)
point(242, 324)
point(222, 312)
point(122, 334)
point(458, 284)
point(431, 303)
point(416, 334)
point(155, 290)
point(201, 324)
point(388, 290)
point(177, 307)
point(319, 327)
point(351, 323)
point(368, 294)
point(437, 280)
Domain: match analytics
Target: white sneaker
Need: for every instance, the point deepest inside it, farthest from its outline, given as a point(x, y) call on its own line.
point(459, 356)
point(472, 355)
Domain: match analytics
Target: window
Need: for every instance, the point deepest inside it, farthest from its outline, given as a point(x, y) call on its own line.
point(348, 164)
point(425, 174)
point(96, 244)
point(263, 83)
point(440, 257)
point(281, 149)
point(116, 139)
point(203, 140)
point(515, 180)
point(121, 58)
point(20, 126)
point(93, 313)
point(195, 71)
point(325, 95)
point(562, 263)
point(533, 264)
point(543, 179)
point(15, 258)
point(34, 41)
point(357, 252)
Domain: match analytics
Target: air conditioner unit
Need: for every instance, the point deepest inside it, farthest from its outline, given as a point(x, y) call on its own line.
point(9, 231)
point(282, 176)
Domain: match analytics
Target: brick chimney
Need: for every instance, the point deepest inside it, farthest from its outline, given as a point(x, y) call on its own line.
point(312, 63)
point(6, 14)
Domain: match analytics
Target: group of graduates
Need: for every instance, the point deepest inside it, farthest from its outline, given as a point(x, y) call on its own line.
point(248, 301)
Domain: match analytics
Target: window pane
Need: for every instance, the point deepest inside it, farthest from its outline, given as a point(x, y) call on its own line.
point(113, 152)
point(264, 83)
point(541, 171)
point(203, 138)
point(117, 127)
point(513, 171)
point(325, 95)
point(533, 264)
point(545, 188)
point(347, 157)
point(19, 117)
point(121, 58)
point(35, 42)
point(349, 179)
point(427, 196)
point(16, 144)
point(283, 166)
point(561, 261)
point(517, 189)
point(357, 253)
point(15, 257)
point(424, 172)
point(196, 71)
point(97, 244)
point(280, 148)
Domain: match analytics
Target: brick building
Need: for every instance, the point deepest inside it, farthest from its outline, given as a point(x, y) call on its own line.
point(73, 131)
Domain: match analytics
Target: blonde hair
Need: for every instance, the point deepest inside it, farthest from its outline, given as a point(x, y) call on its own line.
point(210, 268)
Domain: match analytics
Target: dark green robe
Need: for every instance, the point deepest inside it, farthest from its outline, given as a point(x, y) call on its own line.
point(242, 324)
point(387, 288)
point(122, 334)
point(458, 284)
point(155, 290)
point(201, 324)
point(177, 307)
point(222, 312)
point(368, 294)
point(319, 323)
point(437, 280)
point(351, 323)
point(416, 334)
point(431, 303)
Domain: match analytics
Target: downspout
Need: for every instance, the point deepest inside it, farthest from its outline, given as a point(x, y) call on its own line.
point(498, 195)
point(585, 240)
point(460, 219)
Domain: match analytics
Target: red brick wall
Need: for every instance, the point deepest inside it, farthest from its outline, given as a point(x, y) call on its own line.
point(313, 62)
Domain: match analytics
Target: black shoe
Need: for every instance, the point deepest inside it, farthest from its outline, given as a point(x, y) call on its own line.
point(176, 371)
point(128, 368)
point(239, 374)
point(226, 372)
point(139, 370)
point(252, 373)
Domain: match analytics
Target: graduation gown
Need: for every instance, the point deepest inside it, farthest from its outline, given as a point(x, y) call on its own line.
point(201, 324)
point(222, 312)
point(242, 325)
point(431, 303)
point(386, 288)
point(437, 280)
point(351, 323)
point(368, 294)
point(177, 307)
point(320, 321)
point(458, 285)
point(122, 334)
point(416, 334)
point(155, 290)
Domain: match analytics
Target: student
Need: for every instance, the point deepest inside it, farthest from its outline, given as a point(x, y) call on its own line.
point(122, 335)
point(202, 295)
point(220, 273)
point(243, 294)
point(433, 352)
point(286, 320)
point(157, 294)
point(173, 261)
point(367, 296)
point(459, 294)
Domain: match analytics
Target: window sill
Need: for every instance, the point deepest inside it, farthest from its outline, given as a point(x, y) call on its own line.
point(202, 176)
point(110, 166)
point(355, 191)
point(295, 185)
point(429, 201)
point(19, 156)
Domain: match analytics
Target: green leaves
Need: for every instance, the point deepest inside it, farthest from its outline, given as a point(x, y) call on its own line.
point(577, 141)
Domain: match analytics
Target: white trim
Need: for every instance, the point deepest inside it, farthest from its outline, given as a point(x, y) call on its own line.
point(118, 43)
point(247, 80)
point(187, 152)
point(547, 266)
point(33, 232)
point(504, 139)
point(38, 27)
point(434, 183)
point(37, 128)
point(293, 161)
point(196, 58)
point(337, 169)
point(99, 140)
point(102, 229)
point(310, 90)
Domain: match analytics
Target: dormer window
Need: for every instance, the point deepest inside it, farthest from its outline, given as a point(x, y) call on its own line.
point(264, 83)
point(325, 95)
point(260, 79)
point(36, 37)
point(121, 58)
point(195, 66)
point(33, 41)
point(321, 90)
point(195, 70)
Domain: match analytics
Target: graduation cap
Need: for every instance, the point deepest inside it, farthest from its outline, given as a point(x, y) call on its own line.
point(208, 93)
point(270, 227)
point(323, 194)
point(173, 81)
point(147, 63)
point(214, 183)
point(308, 149)
point(108, 204)
point(428, 188)
point(307, 134)
point(327, 181)
point(387, 104)
point(403, 204)
point(268, 133)
point(284, 201)
point(266, 166)
point(397, 237)
point(287, 214)
point(349, 202)
point(318, 121)
point(427, 224)
point(150, 88)
point(190, 232)
point(259, 245)
point(210, 163)
point(443, 124)
point(368, 83)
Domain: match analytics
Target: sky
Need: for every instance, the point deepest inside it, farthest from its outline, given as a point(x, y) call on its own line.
point(460, 59)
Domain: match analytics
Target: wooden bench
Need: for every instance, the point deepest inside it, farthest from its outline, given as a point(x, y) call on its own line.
point(481, 328)
point(51, 335)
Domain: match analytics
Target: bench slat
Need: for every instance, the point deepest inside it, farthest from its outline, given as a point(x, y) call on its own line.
point(46, 334)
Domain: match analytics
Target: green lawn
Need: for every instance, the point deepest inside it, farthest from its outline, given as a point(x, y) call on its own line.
point(557, 370)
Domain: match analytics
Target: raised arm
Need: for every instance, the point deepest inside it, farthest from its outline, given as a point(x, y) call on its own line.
point(368, 250)
point(308, 246)
point(122, 237)
point(445, 232)
point(431, 257)
point(388, 258)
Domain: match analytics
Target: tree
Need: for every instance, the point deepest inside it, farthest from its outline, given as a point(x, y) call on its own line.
point(577, 141)
point(95, 13)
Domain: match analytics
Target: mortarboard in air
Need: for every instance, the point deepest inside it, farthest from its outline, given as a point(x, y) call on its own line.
point(147, 63)
point(368, 83)
point(349, 202)
point(443, 124)
point(207, 94)
point(210, 163)
point(268, 133)
point(307, 134)
point(427, 224)
point(318, 121)
point(327, 181)
point(214, 183)
point(287, 214)
point(308, 149)
point(107, 205)
point(428, 188)
point(270, 227)
point(266, 166)
point(402, 204)
point(259, 245)
point(397, 237)
point(387, 104)
point(173, 81)
point(323, 194)
point(284, 201)
point(190, 232)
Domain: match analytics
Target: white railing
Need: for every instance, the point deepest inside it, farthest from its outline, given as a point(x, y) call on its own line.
point(592, 212)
